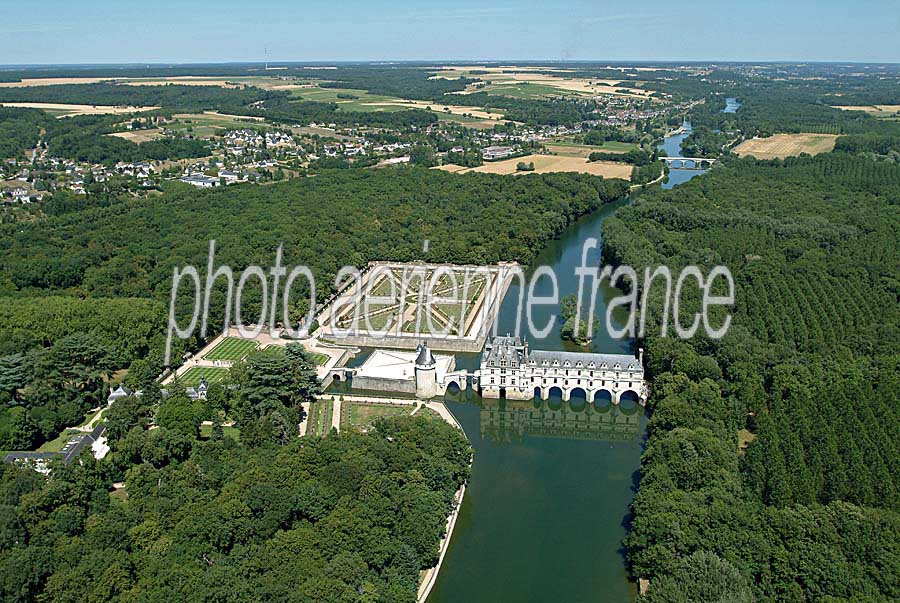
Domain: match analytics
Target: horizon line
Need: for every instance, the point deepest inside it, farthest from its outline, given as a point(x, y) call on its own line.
point(448, 61)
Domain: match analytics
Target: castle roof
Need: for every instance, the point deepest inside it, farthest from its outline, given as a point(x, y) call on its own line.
point(425, 357)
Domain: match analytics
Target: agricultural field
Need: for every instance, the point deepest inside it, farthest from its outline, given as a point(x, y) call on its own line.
point(330, 95)
point(266, 82)
point(139, 136)
point(192, 377)
point(210, 123)
point(452, 168)
point(365, 101)
point(885, 111)
point(361, 415)
point(52, 81)
point(525, 83)
point(67, 110)
point(786, 145)
point(231, 349)
point(544, 164)
point(584, 150)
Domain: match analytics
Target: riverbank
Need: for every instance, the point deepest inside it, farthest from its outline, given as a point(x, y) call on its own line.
point(429, 578)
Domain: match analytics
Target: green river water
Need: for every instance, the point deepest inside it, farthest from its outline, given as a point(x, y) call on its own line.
point(546, 508)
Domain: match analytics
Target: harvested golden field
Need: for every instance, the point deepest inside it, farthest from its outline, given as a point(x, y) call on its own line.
point(139, 136)
point(266, 82)
point(65, 110)
point(259, 81)
point(873, 110)
point(52, 81)
point(786, 145)
point(454, 109)
point(545, 164)
point(452, 168)
point(557, 82)
point(184, 80)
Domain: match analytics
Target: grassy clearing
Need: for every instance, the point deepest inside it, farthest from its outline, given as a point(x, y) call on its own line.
point(231, 348)
point(780, 146)
point(230, 432)
point(192, 377)
point(744, 438)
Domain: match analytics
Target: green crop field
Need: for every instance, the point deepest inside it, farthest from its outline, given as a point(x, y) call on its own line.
point(212, 373)
point(231, 348)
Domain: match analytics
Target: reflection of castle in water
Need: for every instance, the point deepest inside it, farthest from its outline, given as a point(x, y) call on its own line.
point(512, 421)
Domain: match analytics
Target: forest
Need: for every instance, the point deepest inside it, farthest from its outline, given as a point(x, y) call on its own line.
point(348, 518)
point(749, 473)
point(85, 138)
point(104, 273)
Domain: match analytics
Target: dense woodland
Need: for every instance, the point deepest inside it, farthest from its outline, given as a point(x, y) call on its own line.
point(809, 367)
point(262, 515)
point(84, 138)
point(348, 518)
point(105, 272)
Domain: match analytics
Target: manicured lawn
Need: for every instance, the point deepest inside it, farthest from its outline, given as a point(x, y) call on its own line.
point(231, 348)
point(320, 418)
point(193, 375)
point(362, 415)
point(319, 359)
point(61, 440)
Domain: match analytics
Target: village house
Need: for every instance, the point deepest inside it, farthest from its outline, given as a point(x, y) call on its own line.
point(494, 152)
point(200, 180)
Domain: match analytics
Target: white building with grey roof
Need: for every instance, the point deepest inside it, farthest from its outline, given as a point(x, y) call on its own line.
point(510, 370)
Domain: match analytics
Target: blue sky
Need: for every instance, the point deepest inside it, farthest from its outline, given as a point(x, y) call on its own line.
point(103, 31)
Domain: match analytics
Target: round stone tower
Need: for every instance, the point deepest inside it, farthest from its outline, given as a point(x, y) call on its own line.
point(426, 373)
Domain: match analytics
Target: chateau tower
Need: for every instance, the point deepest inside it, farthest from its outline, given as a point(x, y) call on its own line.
point(426, 373)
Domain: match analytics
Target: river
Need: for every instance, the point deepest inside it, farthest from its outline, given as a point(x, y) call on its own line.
point(546, 508)
point(672, 146)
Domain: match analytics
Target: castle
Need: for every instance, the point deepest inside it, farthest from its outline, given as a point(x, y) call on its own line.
point(418, 373)
point(510, 370)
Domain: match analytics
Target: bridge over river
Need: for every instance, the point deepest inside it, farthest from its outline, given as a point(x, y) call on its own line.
point(689, 163)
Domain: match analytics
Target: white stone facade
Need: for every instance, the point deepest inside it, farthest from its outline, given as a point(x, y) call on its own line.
point(509, 369)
